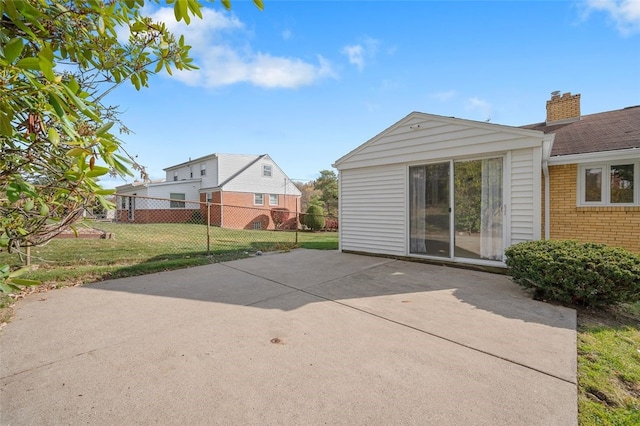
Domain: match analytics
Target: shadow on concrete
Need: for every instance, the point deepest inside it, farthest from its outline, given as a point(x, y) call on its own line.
point(365, 282)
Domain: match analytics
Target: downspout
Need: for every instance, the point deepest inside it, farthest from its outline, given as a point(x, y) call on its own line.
point(547, 145)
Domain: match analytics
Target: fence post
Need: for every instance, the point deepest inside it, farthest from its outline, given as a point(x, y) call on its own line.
point(208, 228)
point(297, 224)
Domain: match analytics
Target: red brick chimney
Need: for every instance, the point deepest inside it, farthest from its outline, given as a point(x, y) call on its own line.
point(563, 109)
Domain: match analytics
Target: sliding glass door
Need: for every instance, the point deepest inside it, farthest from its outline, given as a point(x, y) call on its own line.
point(430, 210)
point(465, 222)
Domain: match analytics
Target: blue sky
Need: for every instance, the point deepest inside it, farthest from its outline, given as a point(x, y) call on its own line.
point(308, 81)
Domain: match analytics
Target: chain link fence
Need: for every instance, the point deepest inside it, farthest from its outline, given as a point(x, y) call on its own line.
point(148, 229)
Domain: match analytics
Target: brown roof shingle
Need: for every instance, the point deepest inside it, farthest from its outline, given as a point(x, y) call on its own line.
point(604, 131)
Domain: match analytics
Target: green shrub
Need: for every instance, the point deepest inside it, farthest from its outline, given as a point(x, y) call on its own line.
point(314, 218)
point(575, 273)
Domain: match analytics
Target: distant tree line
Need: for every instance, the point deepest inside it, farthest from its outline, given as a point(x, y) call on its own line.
point(321, 192)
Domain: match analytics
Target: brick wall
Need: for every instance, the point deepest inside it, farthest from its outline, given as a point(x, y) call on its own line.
point(238, 211)
point(563, 107)
point(615, 226)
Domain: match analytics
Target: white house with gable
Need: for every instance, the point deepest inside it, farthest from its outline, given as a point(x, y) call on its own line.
point(246, 183)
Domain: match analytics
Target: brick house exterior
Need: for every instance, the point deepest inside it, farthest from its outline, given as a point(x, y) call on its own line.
point(241, 192)
point(592, 173)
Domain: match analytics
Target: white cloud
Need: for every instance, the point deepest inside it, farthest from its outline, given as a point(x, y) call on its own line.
point(372, 107)
point(624, 14)
point(287, 34)
point(444, 96)
point(355, 54)
point(361, 53)
point(483, 107)
point(219, 46)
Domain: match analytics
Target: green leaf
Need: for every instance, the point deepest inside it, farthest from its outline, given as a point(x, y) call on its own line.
point(13, 192)
point(30, 63)
point(28, 205)
point(23, 282)
point(181, 12)
point(13, 49)
point(6, 288)
point(104, 128)
point(97, 171)
point(137, 27)
point(226, 4)
point(259, 4)
point(44, 209)
point(54, 101)
point(4, 240)
point(72, 175)
point(76, 152)
point(105, 191)
point(73, 85)
point(54, 137)
point(5, 123)
point(100, 25)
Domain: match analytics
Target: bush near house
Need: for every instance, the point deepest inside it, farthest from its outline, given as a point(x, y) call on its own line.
point(280, 216)
point(575, 273)
point(314, 218)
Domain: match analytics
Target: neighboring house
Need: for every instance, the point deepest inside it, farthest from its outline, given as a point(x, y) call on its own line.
point(456, 190)
point(240, 191)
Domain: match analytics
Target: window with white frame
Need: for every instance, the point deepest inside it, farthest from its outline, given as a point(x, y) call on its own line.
point(274, 199)
point(174, 203)
point(203, 169)
point(610, 184)
point(175, 175)
point(267, 170)
point(258, 199)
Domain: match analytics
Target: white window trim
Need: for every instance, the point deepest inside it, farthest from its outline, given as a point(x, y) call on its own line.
point(176, 202)
point(255, 197)
point(277, 197)
point(267, 167)
point(606, 184)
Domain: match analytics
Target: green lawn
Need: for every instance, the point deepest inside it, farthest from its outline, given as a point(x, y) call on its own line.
point(609, 366)
point(144, 248)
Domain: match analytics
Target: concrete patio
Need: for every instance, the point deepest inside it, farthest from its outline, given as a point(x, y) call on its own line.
point(305, 337)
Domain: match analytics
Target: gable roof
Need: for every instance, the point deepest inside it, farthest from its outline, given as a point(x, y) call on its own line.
point(605, 131)
point(251, 163)
point(419, 134)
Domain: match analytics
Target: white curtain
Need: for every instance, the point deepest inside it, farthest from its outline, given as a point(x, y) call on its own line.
point(418, 187)
point(491, 246)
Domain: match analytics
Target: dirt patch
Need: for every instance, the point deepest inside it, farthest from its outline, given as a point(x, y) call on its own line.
point(608, 317)
point(86, 233)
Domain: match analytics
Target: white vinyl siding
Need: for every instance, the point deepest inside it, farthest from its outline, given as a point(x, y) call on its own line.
point(419, 139)
point(373, 194)
point(373, 210)
point(251, 180)
point(525, 200)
